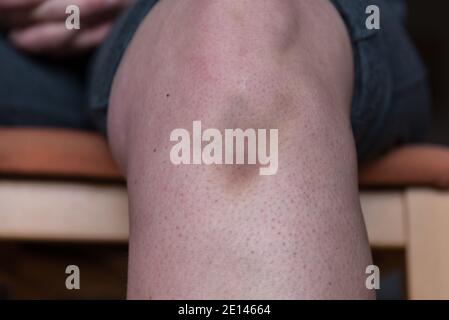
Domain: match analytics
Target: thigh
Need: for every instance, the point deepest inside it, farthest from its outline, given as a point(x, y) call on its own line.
point(224, 231)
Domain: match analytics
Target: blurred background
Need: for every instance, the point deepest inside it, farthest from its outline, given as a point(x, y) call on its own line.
point(427, 26)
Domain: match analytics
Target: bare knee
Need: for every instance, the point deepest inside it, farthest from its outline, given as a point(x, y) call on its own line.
point(231, 63)
point(237, 64)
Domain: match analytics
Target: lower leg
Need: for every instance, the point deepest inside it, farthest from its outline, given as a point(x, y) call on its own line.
point(225, 231)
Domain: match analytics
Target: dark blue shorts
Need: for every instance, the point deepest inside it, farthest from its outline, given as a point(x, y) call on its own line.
point(391, 97)
point(391, 102)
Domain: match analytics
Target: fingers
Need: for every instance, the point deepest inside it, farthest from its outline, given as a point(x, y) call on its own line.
point(16, 18)
point(17, 12)
point(18, 4)
point(41, 38)
point(41, 29)
point(25, 12)
point(54, 37)
point(89, 39)
point(56, 9)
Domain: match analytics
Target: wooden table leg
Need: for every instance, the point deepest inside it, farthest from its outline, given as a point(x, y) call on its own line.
point(427, 232)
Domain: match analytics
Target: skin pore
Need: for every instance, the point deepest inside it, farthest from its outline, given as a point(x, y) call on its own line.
point(225, 232)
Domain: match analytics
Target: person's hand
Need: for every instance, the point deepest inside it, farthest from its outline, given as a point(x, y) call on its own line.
point(39, 26)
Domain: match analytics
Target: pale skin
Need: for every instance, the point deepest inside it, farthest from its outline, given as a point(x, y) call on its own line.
point(225, 232)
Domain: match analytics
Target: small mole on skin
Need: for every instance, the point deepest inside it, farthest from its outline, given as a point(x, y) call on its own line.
point(168, 95)
point(154, 150)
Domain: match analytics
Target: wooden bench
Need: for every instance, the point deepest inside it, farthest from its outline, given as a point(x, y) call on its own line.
point(62, 185)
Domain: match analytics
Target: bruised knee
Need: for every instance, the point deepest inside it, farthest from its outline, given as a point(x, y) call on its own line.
point(233, 64)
